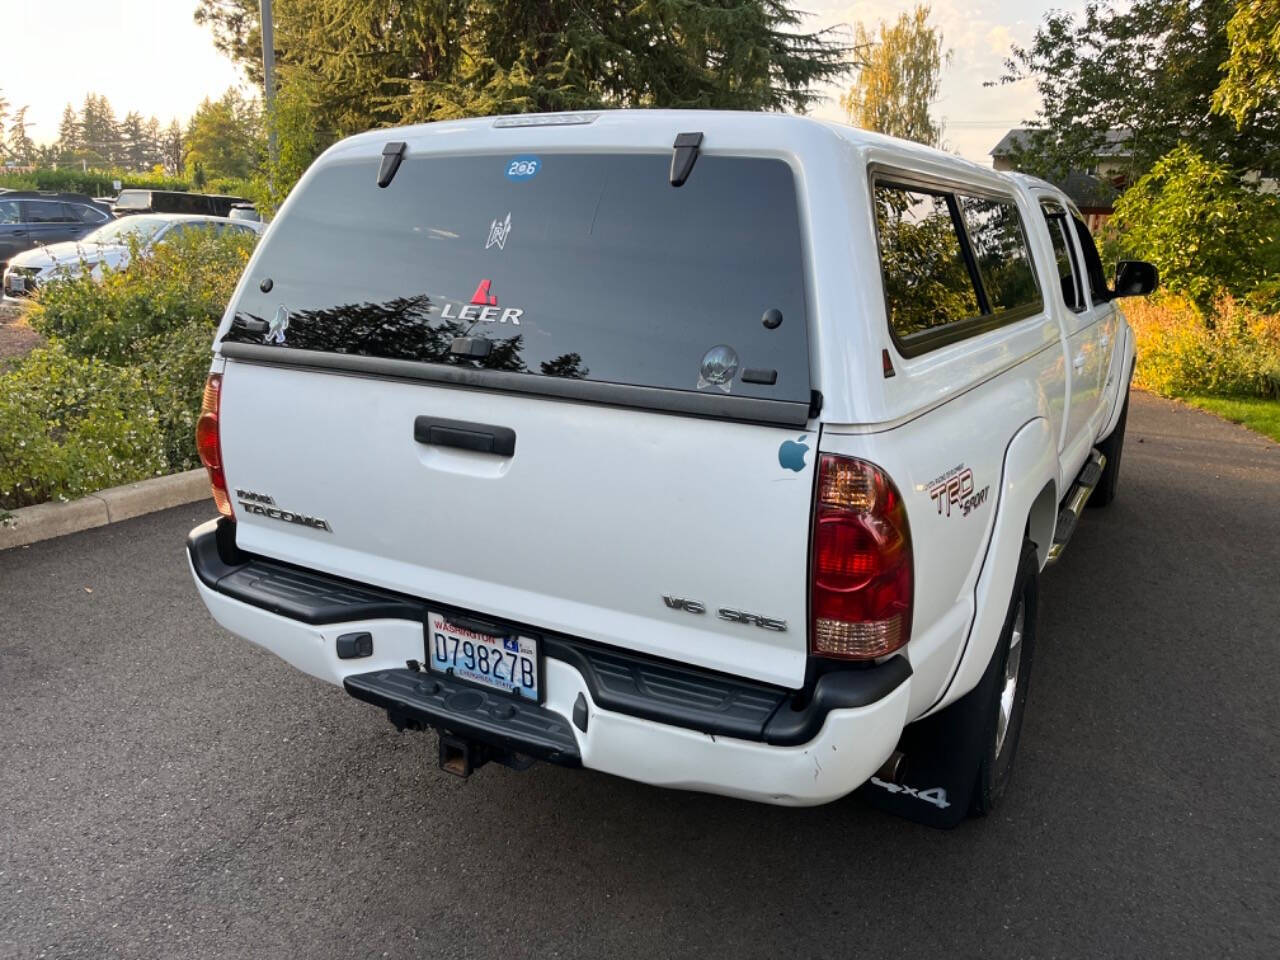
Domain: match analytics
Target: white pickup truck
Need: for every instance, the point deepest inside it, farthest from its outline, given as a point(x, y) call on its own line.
point(717, 451)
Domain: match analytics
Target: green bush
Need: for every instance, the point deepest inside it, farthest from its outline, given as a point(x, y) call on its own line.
point(1180, 355)
point(1210, 234)
point(95, 183)
point(72, 425)
point(157, 316)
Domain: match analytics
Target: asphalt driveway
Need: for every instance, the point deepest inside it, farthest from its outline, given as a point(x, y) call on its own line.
point(167, 790)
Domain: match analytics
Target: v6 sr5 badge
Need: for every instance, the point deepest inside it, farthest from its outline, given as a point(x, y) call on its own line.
point(955, 489)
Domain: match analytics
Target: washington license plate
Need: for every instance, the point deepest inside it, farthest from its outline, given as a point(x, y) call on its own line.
point(508, 663)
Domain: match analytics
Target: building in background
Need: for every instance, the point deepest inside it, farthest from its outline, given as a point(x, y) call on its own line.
point(1093, 189)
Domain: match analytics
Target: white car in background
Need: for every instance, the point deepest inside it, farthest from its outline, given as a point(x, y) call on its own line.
point(108, 246)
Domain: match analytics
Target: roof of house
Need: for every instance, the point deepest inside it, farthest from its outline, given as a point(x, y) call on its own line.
point(1088, 192)
point(1115, 142)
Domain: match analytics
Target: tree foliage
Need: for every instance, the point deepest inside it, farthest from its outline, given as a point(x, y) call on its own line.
point(1252, 81)
point(1152, 68)
point(366, 63)
point(1210, 235)
point(898, 72)
point(223, 138)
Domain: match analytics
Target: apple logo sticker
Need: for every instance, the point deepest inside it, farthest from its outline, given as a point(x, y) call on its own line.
point(791, 453)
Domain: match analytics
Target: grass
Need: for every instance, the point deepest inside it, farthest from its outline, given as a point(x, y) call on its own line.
point(1254, 412)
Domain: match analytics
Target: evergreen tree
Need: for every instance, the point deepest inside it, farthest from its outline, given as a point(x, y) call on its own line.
point(133, 141)
point(374, 62)
point(898, 75)
point(98, 130)
point(153, 139)
point(69, 135)
point(21, 147)
point(171, 146)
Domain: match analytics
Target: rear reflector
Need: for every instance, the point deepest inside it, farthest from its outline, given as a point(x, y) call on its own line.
point(862, 572)
point(209, 443)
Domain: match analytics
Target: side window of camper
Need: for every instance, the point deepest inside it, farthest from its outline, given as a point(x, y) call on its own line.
point(927, 281)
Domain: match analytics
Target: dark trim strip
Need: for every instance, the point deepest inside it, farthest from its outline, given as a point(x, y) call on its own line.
point(785, 413)
point(634, 684)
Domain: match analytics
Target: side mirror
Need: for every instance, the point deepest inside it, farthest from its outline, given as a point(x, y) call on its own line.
point(1135, 278)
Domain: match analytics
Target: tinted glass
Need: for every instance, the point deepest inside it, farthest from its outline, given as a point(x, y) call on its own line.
point(10, 212)
point(1000, 247)
point(121, 231)
point(581, 266)
point(926, 280)
point(1092, 263)
point(46, 211)
point(1065, 258)
point(134, 200)
point(87, 214)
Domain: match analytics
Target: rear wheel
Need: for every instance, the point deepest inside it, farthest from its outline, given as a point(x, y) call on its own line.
point(1111, 448)
point(1007, 696)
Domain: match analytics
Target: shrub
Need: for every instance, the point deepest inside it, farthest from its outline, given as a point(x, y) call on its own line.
point(96, 183)
point(71, 426)
point(1178, 354)
point(1210, 234)
point(158, 316)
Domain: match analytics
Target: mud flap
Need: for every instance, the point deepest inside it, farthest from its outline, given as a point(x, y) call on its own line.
point(935, 782)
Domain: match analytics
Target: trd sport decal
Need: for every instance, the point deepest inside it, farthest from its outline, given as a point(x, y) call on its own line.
point(483, 307)
point(955, 488)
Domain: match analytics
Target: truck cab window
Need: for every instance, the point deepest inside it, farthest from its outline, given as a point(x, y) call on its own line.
point(1065, 257)
point(1098, 289)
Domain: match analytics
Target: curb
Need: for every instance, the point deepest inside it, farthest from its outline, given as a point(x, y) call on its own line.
point(47, 520)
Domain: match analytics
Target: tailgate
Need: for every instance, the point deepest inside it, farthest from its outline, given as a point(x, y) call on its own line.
point(601, 519)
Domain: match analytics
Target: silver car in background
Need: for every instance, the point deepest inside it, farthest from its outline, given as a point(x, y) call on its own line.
point(108, 246)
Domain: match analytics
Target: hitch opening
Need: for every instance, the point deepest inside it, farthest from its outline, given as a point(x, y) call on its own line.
point(460, 757)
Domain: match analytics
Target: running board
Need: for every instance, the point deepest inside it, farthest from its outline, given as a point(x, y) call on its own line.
point(1069, 513)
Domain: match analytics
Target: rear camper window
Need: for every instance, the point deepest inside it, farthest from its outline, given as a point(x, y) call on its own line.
point(572, 266)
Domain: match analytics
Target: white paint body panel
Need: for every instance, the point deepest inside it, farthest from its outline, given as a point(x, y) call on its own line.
point(603, 510)
point(849, 748)
point(598, 515)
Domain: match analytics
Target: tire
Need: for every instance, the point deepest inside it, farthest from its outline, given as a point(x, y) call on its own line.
point(1111, 448)
point(1008, 679)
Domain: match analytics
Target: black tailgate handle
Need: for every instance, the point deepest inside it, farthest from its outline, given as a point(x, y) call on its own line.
point(465, 435)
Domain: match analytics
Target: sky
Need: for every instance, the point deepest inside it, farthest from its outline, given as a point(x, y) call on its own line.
point(149, 56)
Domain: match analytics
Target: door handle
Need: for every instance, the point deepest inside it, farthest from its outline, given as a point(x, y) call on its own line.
point(465, 435)
point(1105, 341)
point(1078, 361)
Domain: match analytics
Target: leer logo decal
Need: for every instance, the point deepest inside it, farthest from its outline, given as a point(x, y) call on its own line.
point(483, 307)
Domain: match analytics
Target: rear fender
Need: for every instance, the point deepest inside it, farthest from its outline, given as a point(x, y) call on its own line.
point(1030, 463)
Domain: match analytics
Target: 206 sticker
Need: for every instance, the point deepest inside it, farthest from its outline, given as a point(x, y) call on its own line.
point(523, 168)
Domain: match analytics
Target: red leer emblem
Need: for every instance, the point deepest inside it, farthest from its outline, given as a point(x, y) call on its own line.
point(483, 297)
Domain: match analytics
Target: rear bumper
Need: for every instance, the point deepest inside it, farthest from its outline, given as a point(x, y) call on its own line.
point(607, 710)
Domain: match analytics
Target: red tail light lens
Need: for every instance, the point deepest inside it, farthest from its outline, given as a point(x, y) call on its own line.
point(861, 566)
point(209, 443)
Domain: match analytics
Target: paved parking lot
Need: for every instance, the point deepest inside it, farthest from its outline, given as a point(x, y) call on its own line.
point(167, 790)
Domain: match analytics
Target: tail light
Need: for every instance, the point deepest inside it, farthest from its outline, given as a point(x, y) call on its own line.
point(209, 443)
point(862, 570)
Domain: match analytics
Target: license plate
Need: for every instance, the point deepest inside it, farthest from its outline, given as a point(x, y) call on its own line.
point(508, 663)
point(17, 284)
